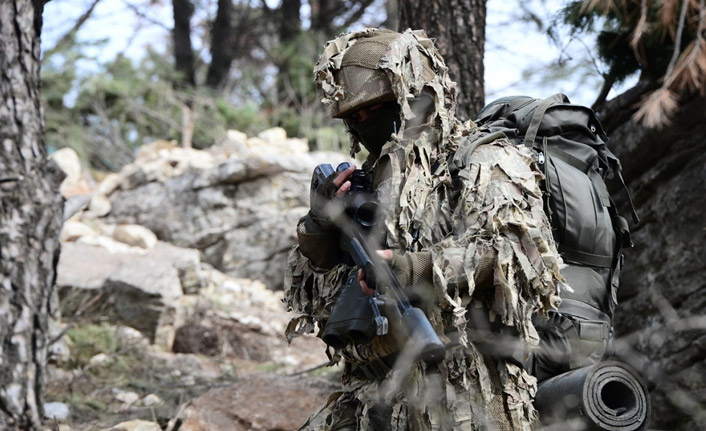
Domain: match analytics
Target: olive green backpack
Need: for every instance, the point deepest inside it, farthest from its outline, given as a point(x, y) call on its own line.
point(570, 147)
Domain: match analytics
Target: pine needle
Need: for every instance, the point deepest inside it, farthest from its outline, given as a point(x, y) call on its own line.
point(603, 5)
point(689, 72)
point(640, 29)
point(668, 13)
point(657, 109)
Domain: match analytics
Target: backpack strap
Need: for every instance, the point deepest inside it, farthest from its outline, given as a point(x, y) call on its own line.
point(463, 152)
point(635, 217)
point(533, 127)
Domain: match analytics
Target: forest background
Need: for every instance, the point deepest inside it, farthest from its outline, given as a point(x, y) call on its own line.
point(110, 69)
point(217, 65)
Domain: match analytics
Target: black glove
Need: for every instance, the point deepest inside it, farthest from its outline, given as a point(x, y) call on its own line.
point(319, 244)
point(324, 203)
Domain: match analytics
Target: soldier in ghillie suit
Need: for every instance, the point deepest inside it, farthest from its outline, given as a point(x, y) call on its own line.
point(463, 229)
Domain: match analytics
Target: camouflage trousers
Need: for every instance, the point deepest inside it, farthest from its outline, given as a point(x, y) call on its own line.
point(428, 400)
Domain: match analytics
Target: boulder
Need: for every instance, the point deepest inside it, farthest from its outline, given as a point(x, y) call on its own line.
point(56, 411)
point(109, 184)
point(258, 403)
point(73, 230)
point(135, 235)
point(99, 206)
point(74, 183)
point(241, 214)
point(140, 290)
point(274, 137)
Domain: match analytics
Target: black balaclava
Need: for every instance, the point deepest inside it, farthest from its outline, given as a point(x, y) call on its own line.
point(376, 130)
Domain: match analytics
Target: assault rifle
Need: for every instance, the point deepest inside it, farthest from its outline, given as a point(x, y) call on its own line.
point(355, 316)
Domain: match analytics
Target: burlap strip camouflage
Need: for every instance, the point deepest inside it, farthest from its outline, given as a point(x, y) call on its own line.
point(494, 207)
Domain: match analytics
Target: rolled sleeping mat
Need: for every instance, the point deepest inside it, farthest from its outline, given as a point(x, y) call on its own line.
point(609, 395)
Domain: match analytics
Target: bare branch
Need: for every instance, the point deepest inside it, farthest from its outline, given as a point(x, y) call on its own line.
point(355, 16)
point(677, 41)
point(66, 38)
point(144, 16)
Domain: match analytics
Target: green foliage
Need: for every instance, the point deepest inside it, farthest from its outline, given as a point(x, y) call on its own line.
point(107, 115)
point(87, 341)
point(615, 26)
point(91, 389)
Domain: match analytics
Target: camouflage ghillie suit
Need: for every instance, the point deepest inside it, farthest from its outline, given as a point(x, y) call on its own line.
point(466, 212)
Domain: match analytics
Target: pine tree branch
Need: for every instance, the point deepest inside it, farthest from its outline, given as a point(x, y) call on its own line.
point(68, 36)
point(355, 16)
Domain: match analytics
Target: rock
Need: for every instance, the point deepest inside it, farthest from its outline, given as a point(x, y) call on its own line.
point(56, 411)
point(136, 425)
point(152, 150)
point(213, 209)
point(99, 359)
point(109, 244)
point(128, 337)
point(74, 183)
point(75, 204)
point(126, 397)
point(257, 403)
point(234, 145)
point(135, 235)
point(236, 137)
point(151, 400)
point(297, 145)
point(196, 338)
point(73, 230)
point(275, 137)
point(258, 250)
point(162, 160)
point(109, 184)
point(99, 206)
point(140, 290)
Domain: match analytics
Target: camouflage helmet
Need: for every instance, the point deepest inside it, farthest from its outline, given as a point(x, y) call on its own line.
point(372, 66)
point(364, 83)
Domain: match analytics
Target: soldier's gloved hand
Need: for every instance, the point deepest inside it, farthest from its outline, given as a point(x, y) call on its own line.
point(324, 201)
point(318, 236)
point(413, 271)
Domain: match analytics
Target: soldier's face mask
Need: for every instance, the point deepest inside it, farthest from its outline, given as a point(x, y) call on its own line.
point(375, 126)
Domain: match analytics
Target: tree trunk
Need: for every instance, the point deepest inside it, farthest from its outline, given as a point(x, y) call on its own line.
point(391, 18)
point(184, 63)
point(30, 220)
point(221, 49)
point(459, 29)
point(290, 26)
point(291, 23)
point(183, 52)
point(322, 14)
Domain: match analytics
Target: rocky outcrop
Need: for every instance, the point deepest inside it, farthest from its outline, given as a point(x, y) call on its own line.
point(661, 320)
point(141, 289)
point(237, 203)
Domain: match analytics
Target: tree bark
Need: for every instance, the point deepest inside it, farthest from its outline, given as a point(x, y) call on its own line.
point(30, 220)
point(322, 18)
point(221, 49)
point(290, 26)
point(459, 29)
point(183, 52)
point(291, 23)
point(662, 296)
point(184, 63)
